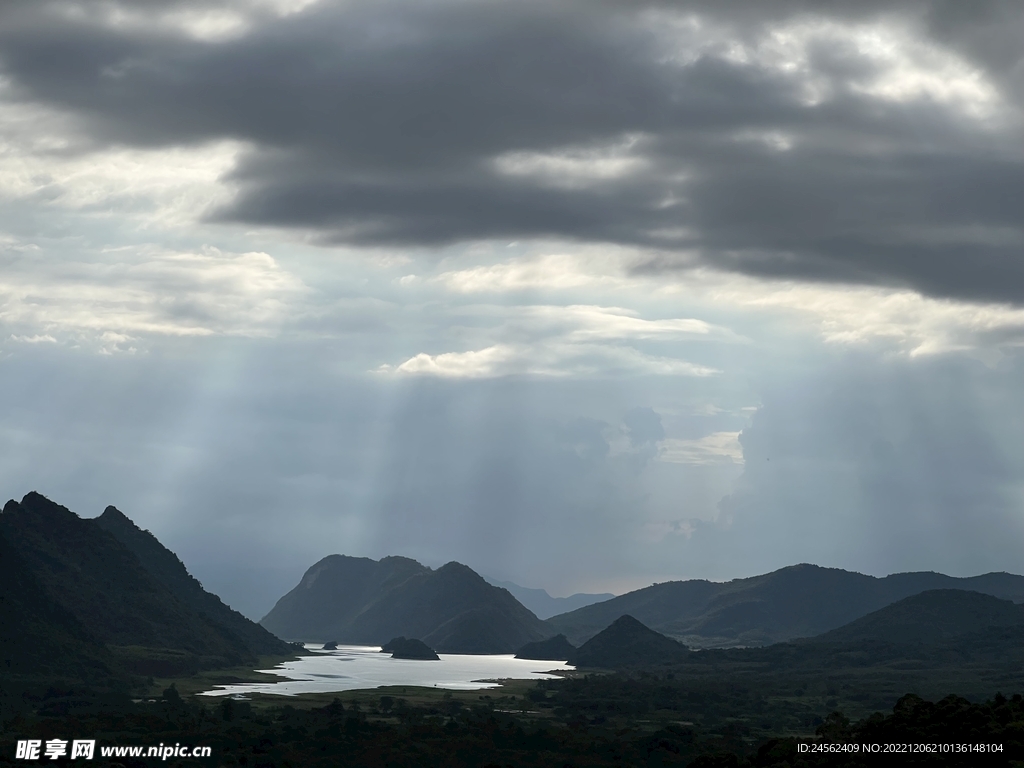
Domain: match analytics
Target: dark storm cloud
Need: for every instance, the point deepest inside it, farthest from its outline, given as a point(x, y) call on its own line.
point(433, 123)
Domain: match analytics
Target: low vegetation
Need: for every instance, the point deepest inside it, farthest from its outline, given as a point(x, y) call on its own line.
point(593, 721)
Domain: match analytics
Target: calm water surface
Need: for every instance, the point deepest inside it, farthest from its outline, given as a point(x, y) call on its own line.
point(356, 666)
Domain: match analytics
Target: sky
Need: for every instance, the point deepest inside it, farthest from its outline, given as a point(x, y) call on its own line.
point(586, 295)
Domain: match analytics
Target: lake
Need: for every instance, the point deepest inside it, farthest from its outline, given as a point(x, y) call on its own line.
point(353, 667)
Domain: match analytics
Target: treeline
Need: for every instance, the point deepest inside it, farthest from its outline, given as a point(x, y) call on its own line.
point(450, 733)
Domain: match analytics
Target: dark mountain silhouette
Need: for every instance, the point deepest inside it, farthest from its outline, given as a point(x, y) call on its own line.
point(362, 601)
point(333, 592)
point(166, 568)
point(91, 576)
point(555, 648)
point(409, 648)
point(40, 638)
point(797, 601)
point(628, 643)
point(933, 640)
point(935, 617)
point(545, 606)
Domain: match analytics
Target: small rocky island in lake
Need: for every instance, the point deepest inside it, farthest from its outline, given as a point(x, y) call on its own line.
point(556, 648)
point(331, 646)
point(409, 648)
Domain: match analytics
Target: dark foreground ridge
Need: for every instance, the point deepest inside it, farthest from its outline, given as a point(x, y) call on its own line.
point(409, 648)
point(124, 609)
point(166, 568)
point(40, 639)
point(367, 602)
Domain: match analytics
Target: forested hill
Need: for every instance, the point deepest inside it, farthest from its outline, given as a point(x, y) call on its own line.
point(932, 618)
point(41, 638)
point(166, 568)
point(628, 643)
point(797, 601)
point(358, 600)
point(96, 587)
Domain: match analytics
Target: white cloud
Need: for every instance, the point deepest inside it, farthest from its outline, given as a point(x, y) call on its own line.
point(910, 322)
point(116, 343)
point(37, 339)
point(570, 340)
point(575, 166)
point(618, 323)
point(554, 358)
point(895, 64)
point(892, 60)
point(548, 272)
point(166, 188)
point(210, 22)
point(130, 292)
point(711, 449)
point(903, 320)
point(45, 163)
point(487, 362)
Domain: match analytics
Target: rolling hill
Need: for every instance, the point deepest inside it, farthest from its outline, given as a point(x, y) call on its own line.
point(797, 601)
point(936, 634)
point(932, 618)
point(363, 601)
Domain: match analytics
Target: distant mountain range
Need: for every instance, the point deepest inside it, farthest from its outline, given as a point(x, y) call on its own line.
point(932, 642)
point(798, 601)
point(112, 595)
point(452, 609)
point(95, 599)
point(543, 605)
point(363, 601)
point(932, 618)
point(936, 628)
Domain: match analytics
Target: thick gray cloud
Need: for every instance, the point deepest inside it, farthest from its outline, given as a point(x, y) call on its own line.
point(874, 144)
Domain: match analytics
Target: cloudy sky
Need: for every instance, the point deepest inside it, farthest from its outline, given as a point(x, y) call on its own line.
point(586, 294)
